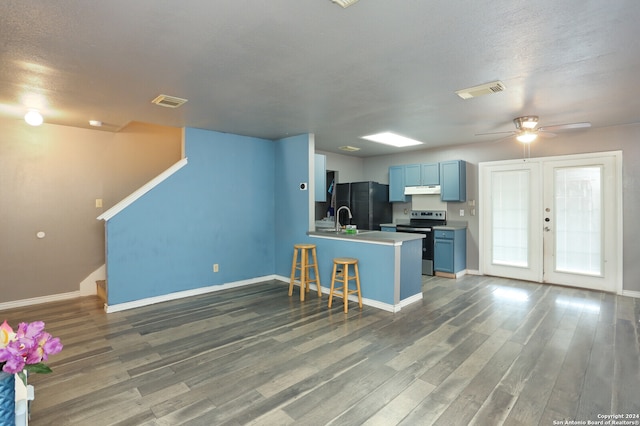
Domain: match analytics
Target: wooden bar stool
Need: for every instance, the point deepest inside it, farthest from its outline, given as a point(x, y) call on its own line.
point(343, 274)
point(303, 266)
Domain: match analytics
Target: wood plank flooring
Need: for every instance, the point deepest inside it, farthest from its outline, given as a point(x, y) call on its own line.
point(476, 351)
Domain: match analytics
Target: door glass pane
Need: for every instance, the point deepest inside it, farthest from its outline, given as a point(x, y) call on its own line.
point(510, 217)
point(578, 220)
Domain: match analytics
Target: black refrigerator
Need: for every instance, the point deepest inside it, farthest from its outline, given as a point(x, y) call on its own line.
point(368, 202)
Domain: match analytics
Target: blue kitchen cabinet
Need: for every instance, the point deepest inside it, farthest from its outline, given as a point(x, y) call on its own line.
point(421, 174)
point(412, 175)
point(450, 251)
point(396, 184)
point(430, 174)
point(453, 180)
point(388, 228)
point(320, 176)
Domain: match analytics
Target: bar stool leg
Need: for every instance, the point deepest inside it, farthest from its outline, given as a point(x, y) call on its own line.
point(303, 275)
point(333, 280)
point(293, 270)
point(345, 288)
point(315, 270)
point(355, 267)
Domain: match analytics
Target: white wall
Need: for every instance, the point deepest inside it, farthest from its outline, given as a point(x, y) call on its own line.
point(350, 169)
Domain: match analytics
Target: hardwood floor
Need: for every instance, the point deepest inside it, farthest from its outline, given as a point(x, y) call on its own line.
point(477, 350)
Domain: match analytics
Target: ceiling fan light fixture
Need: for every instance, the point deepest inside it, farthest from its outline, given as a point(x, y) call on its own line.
point(527, 136)
point(526, 122)
point(33, 117)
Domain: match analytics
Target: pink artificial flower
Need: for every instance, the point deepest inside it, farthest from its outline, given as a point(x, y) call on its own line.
point(28, 347)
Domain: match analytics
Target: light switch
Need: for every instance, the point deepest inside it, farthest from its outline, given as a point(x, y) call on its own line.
point(98, 203)
point(461, 212)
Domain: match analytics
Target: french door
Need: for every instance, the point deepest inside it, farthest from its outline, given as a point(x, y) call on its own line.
point(553, 220)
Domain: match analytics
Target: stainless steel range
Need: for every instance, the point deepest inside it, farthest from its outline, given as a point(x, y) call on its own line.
point(422, 222)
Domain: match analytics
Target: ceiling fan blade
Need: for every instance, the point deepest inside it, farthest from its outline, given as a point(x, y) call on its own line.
point(568, 126)
point(545, 134)
point(495, 133)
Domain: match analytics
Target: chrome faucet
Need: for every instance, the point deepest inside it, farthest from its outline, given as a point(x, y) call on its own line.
point(338, 226)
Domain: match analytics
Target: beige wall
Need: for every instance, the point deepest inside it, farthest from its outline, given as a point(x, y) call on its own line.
point(625, 138)
point(50, 177)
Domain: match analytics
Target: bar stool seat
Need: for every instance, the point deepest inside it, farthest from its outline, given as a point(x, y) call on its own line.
point(304, 266)
point(343, 274)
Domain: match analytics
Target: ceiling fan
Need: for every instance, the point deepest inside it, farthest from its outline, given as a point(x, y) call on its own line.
point(527, 129)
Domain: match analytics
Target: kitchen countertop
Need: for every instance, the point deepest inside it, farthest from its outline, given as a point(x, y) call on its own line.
point(452, 226)
point(366, 236)
point(393, 225)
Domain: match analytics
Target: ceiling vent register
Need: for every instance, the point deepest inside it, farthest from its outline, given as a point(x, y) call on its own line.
point(483, 89)
point(344, 3)
point(168, 101)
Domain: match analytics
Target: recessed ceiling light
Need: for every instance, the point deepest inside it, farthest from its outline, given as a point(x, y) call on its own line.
point(389, 138)
point(33, 117)
point(95, 123)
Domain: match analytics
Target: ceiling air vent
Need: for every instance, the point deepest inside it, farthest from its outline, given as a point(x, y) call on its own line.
point(168, 101)
point(483, 89)
point(344, 3)
point(349, 148)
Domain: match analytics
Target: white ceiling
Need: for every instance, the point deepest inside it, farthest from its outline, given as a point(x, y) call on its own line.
point(276, 68)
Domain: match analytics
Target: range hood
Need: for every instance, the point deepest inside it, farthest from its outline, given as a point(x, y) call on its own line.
point(422, 190)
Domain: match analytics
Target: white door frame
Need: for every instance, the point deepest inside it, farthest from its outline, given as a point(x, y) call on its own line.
point(484, 204)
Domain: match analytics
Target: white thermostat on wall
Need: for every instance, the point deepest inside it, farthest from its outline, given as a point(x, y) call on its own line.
point(303, 186)
point(40, 234)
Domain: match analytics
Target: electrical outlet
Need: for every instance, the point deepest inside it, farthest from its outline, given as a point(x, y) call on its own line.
point(461, 212)
point(215, 267)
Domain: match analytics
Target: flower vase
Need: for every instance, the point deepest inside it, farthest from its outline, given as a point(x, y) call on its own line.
point(7, 398)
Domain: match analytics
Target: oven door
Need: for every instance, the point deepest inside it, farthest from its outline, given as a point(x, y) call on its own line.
point(427, 246)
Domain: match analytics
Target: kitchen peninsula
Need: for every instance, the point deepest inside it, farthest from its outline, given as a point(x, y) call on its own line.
point(389, 264)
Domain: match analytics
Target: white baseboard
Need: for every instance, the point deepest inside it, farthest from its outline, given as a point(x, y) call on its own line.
point(38, 300)
point(182, 294)
point(630, 293)
point(367, 302)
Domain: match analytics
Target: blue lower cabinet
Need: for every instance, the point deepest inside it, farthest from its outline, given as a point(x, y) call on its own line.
point(450, 250)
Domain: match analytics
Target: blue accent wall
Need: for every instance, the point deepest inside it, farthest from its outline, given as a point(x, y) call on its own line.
point(220, 208)
point(292, 204)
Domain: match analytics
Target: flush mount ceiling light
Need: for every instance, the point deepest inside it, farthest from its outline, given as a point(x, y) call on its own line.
point(95, 123)
point(168, 101)
point(349, 148)
point(33, 117)
point(483, 89)
point(392, 139)
point(345, 3)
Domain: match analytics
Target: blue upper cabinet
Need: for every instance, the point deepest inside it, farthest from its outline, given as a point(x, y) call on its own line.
point(397, 184)
point(320, 175)
point(453, 180)
point(430, 174)
point(421, 174)
point(412, 175)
